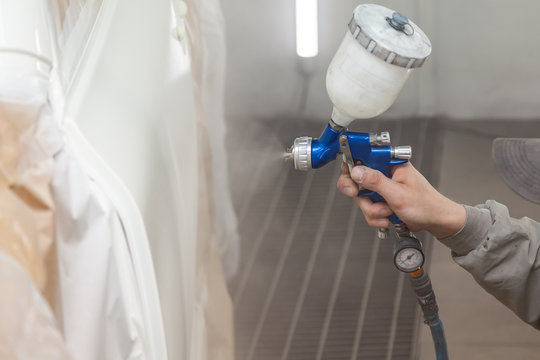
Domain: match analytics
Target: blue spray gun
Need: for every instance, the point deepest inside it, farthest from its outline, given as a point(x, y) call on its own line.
point(373, 62)
point(372, 150)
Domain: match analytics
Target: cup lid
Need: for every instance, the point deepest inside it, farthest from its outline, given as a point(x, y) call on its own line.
point(390, 36)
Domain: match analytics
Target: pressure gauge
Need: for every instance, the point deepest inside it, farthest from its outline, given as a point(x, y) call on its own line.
point(408, 254)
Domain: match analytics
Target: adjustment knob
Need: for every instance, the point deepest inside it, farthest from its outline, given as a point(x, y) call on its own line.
point(402, 152)
point(382, 139)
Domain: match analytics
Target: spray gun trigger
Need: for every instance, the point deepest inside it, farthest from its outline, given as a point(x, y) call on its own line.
point(350, 163)
point(347, 155)
point(346, 151)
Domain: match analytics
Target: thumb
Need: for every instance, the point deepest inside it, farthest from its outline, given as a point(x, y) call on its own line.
point(374, 180)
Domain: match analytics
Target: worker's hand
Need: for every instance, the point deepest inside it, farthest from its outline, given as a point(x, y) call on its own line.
point(408, 194)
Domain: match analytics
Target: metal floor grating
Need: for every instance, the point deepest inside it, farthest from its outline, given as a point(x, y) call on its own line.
point(314, 281)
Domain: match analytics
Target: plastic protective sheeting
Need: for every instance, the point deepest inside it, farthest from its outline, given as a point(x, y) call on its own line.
point(71, 22)
point(96, 270)
point(28, 330)
point(138, 101)
point(209, 64)
point(212, 333)
point(108, 303)
point(144, 102)
point(26, 170)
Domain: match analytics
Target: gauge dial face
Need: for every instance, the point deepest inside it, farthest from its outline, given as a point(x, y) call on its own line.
point(409, 259)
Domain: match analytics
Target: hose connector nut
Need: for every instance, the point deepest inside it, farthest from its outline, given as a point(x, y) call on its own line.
point(402, 152)
point(382, 139)
point(382, 233)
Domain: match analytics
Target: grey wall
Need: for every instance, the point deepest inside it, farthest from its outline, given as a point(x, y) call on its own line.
point(485, 60)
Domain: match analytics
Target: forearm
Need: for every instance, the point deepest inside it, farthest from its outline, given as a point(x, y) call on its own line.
point(503, 255)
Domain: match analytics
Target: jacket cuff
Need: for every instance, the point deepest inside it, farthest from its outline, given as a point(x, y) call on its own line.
point(472, 234)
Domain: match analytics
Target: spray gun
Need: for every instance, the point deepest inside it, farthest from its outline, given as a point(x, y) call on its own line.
point(380, 50)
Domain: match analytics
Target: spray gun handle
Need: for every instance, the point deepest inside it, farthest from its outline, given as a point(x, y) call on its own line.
point(373, 151)
point(376, 197)
point(382, 233)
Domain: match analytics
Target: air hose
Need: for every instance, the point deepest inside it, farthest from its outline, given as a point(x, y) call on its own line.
point(421, 285)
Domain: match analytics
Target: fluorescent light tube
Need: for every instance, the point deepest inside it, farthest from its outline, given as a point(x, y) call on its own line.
point(307, 28)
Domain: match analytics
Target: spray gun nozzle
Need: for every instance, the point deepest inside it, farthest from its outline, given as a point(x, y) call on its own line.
point(300, 153)
point(288, 155)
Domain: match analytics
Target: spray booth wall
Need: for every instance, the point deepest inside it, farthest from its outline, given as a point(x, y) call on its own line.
point(484, 62)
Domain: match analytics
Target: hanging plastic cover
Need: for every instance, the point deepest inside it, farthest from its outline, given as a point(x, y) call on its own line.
point(65, 220)
point(106, 303)
point(95, 270)
point(71, 23)
point(21, 304)
point(138, 102)
point(27, 247)
point(209, 62)
point(107, 267)
point(89, 271)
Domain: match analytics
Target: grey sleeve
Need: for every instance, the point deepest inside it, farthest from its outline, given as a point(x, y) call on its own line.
point(503, 255)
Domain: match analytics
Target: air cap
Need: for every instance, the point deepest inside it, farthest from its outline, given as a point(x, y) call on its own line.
point(390, 36)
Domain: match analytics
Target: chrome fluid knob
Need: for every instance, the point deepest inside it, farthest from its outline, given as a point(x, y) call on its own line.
point(402, 152)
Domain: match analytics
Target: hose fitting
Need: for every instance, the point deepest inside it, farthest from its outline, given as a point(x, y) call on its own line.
point(421, 285)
